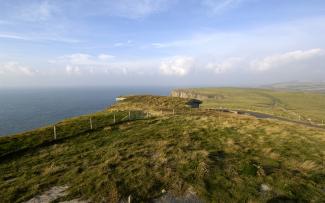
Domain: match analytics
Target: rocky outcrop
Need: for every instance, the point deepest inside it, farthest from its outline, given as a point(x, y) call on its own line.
point(187, 93)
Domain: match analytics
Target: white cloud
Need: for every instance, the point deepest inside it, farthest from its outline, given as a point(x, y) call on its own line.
point(225, 66)
point(179, 66)
point(83, 59)
point(124, 44)
point(82, 64)
point(14, 68)
point(288, 58)
point(79, 59)
point(105, 57)
point(72, 70)
point(159, 45)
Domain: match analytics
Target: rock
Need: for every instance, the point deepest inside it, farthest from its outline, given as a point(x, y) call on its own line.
point(189, 197)
point(265, 188)
point(108, 128)
point(50, 195)
point(53, 194)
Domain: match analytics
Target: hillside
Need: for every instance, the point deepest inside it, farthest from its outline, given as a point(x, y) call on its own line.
point(299, 86)
point(297, 105)
point(157, 149)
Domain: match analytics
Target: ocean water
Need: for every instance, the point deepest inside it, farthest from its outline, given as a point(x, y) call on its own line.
point(26, 109)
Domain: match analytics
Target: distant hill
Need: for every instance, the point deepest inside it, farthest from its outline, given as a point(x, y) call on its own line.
point(299, 102)
point(299, 86)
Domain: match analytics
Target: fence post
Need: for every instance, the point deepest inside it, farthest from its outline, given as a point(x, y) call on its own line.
point(114, 119)
point(129, 115)
point(91, 123)
point(54, 130)
point(129, 199)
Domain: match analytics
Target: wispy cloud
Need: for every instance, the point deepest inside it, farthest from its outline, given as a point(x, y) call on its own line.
point(37, 11)
point(220, 6)
point(286, 59)
point(135, 9)
point(84, 59)
point(128, 43)
point(13, 36)
point(36, 37)
point(296, 34)
point(16, 69)
point(44, 10)
point(105, 57)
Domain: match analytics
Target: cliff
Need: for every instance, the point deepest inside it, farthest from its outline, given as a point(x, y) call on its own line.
point(192, 94)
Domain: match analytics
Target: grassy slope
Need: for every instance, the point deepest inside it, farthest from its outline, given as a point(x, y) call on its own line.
point(281, 103)
point(299, 86)
point(223, 157)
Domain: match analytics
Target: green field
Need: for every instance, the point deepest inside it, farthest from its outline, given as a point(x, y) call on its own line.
point(288, 104)
point(177, 152)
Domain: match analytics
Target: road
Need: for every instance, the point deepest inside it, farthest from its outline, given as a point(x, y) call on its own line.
point(269, 116)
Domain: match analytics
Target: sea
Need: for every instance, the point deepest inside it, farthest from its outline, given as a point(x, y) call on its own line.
point(24, 109)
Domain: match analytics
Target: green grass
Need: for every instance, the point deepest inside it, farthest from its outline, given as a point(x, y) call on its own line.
point(281, 103)
point(222, 157)
point(64, 129)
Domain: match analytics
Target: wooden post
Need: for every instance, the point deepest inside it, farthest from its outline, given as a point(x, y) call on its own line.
point(129, 199)
point(129, 115)
point(54, 130)
point(114, 119)
point(91, 123)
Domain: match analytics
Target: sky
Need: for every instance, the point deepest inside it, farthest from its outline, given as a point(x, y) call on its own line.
point(161, 42)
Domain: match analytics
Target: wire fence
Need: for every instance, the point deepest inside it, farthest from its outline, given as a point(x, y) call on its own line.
point(89, 123)
point(65, 129)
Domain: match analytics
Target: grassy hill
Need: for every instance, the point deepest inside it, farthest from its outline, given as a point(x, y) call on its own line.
point(306, 106)
point(160, 149)
point(299, 86)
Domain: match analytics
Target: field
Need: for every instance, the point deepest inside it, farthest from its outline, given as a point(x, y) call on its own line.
point(174, 152)
point(295, 105)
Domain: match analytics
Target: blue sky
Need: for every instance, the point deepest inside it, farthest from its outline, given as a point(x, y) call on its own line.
point(161, 42)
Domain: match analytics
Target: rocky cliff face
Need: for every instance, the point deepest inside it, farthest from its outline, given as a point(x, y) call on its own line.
point(188, 94)
point(185, 93)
